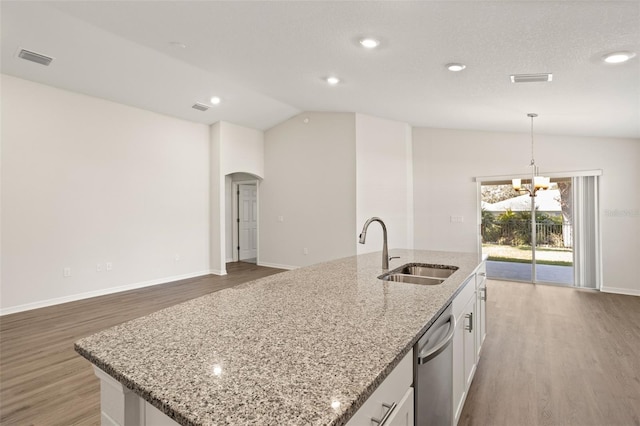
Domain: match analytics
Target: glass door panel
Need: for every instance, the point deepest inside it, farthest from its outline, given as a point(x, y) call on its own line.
point(507, 231)
point(554, 234)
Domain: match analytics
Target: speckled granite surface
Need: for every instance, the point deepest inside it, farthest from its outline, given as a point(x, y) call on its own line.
point(282, 350)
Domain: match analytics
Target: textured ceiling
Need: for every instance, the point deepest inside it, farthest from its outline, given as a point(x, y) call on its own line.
point(267, 60)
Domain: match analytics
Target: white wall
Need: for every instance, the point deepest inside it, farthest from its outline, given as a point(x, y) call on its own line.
point(87, 181)
point(384, 181)
point(242, 149)
point(310, 182)
point(234, 149)
point(446, 161)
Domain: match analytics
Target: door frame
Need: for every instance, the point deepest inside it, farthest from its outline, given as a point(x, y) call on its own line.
point(484, 179)
point(235, 187)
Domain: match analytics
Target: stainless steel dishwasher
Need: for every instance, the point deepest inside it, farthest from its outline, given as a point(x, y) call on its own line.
point(432, 373)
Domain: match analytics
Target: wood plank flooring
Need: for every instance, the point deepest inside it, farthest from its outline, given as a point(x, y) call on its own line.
point(557, 356)
point(553, 356)
point(43, 381)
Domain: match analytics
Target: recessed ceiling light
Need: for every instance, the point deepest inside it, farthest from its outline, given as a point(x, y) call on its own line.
point(215, 100)
point(333, 80)
point(369, 43)
point(618, 57)
point(455, 67)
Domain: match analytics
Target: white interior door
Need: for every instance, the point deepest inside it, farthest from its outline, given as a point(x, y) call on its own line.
point(248, 224)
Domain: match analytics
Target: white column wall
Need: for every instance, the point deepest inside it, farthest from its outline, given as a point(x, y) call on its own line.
point(384, 176)
point(86, 182)
point(311, 185)
point(242, 149)
point(234, 149)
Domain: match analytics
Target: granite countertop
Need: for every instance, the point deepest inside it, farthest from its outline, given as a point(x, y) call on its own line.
point(281, 350)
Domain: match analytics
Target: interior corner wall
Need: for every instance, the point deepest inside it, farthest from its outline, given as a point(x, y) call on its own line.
point(446, 162)
point(384, 179)
point(217, 183)
point(86, 182)
point(307, 199)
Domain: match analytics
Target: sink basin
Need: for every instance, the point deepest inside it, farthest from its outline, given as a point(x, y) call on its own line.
point(423, 270)
point(419, 273)
point(413, 279)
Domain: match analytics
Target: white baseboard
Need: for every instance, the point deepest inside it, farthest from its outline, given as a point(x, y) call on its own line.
point(89, 294)
point(627, 291)
point(277, 265)
point(218, 272)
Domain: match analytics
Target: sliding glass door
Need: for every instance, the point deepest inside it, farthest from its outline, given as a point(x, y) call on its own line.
point(550, 238)
point(527, 238)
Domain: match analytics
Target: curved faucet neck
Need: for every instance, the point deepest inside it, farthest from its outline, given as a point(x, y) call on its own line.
point(363, 237)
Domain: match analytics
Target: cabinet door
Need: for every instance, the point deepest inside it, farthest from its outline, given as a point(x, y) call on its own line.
point(481, 307)
point(464, 351)
point(470, 352)
point(458, 368)
point(403, 414)
point(481, 323)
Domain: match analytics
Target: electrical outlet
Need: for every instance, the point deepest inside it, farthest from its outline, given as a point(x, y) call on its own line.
point(457, 219)
point(108, 266)
point(177, 257)
point(305, 251)
point(280, 218)
point(66, 272)
point(99, 267)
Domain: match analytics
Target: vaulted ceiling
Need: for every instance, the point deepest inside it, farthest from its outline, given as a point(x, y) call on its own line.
point(268, 60)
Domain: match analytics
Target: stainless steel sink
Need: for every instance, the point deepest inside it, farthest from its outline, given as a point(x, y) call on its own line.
point(424, 270)
point(420, 273)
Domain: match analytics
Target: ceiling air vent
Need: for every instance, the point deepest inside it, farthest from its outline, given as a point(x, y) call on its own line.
point(200, 107)
point(35, 57)
point(531, 78)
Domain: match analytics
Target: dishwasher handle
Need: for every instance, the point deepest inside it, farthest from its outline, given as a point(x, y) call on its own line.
point(424, 358)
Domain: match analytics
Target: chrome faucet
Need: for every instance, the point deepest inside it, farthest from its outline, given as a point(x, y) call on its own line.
point(363, 237)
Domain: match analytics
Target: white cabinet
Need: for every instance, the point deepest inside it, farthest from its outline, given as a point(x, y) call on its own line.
point(464, 346)
point(393, 395)
point(403, 414)
point(481, 305)
point(469, 308)
point(469, 321)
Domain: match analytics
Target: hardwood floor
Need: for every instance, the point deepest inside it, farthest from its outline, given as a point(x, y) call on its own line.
point(43, 381)
point(557, 356)
point(553, 356)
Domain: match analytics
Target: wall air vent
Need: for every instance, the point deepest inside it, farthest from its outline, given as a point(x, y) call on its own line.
point(531, 78)
point(35, 57)
point(200, 107)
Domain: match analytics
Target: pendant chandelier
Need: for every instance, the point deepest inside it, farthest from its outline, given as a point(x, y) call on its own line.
point(537, 182)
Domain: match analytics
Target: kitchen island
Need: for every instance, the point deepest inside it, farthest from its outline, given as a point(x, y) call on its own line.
point(307, 346)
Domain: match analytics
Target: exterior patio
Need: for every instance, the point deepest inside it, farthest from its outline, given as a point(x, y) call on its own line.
point(513, 271)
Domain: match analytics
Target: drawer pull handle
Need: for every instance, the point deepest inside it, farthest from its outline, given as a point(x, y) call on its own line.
point(383, 420)
point(469, 316)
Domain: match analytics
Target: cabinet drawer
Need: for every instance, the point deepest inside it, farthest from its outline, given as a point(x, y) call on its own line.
point(392, 390)
point(461, 300)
